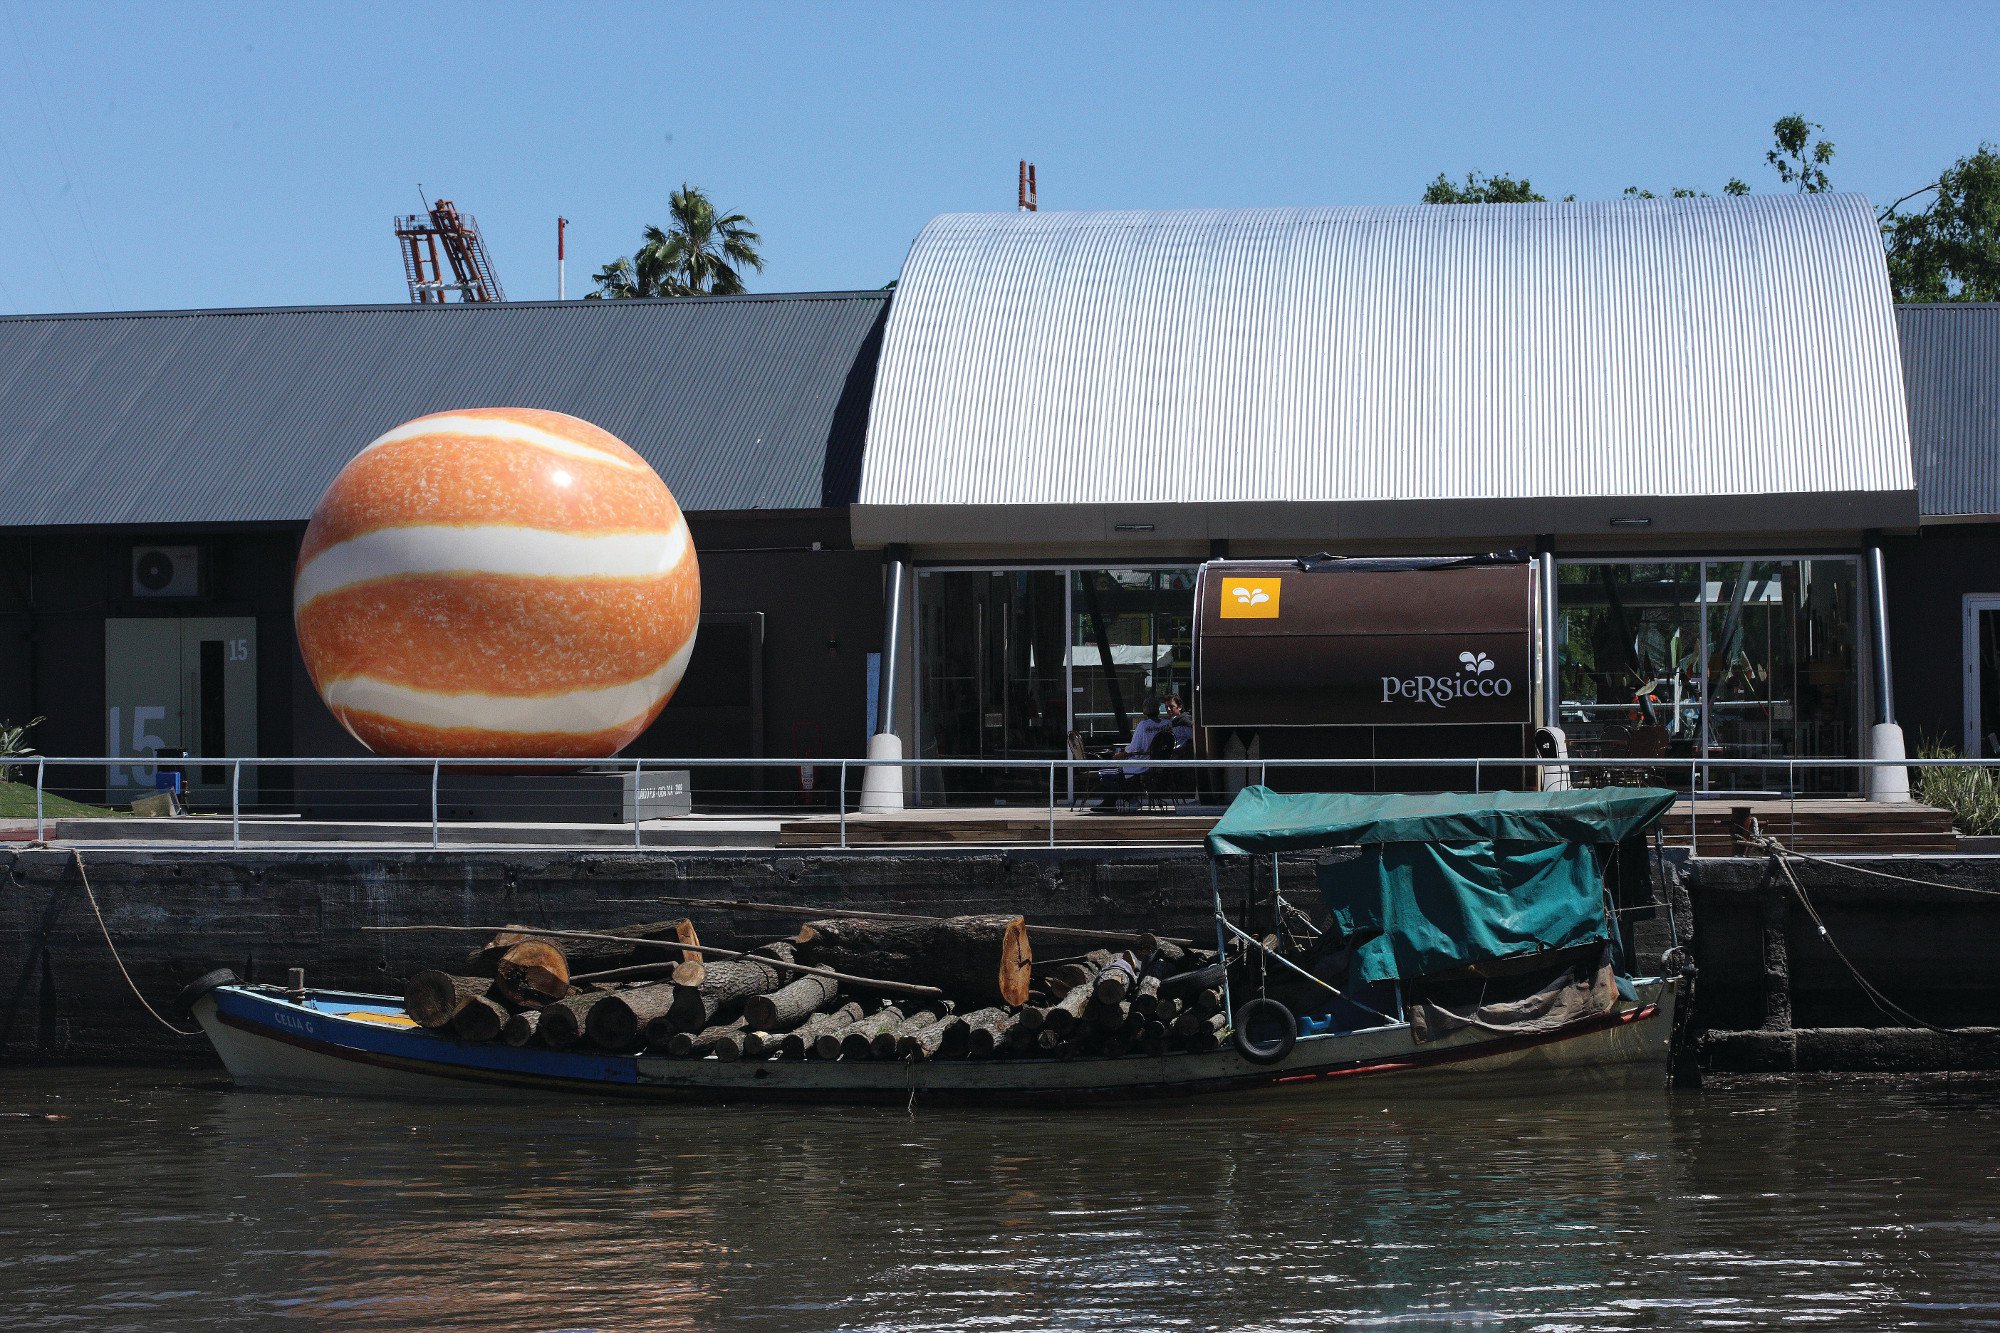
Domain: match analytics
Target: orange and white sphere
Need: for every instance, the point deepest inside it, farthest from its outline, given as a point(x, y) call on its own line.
point(497, 582)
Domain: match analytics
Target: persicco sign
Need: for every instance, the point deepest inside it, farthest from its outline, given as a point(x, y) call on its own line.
point(1364, 643)
point(1443, 691)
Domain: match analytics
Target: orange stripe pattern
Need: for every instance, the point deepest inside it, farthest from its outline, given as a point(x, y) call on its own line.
point(497, 581)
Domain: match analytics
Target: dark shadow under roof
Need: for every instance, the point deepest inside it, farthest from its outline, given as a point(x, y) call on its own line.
point(244, 416)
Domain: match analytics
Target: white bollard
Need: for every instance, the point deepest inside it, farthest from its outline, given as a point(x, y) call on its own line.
point(881, 783)
point(1889, 785)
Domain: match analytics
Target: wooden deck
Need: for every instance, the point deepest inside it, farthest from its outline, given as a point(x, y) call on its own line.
point(1821, 825)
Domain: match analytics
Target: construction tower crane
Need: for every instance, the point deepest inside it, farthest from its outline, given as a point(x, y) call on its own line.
point(444, 236)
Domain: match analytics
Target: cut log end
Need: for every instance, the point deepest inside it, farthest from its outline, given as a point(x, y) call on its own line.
point(434, 998)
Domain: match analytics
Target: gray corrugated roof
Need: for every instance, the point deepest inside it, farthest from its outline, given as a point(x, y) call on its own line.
point(1388, 355)
point(245, 415)
point(1951, 371)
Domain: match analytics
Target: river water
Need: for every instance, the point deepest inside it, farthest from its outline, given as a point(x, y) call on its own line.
point(156, 1200)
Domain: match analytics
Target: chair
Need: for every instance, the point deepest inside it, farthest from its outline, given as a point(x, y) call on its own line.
point(1163, 785)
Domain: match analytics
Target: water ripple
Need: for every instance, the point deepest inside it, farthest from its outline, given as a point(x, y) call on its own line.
point(164, 1200)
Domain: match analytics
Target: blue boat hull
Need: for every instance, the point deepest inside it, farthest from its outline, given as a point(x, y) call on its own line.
point(352, 1044)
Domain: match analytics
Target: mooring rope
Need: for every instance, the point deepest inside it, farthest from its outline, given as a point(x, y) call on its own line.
point(1883, 874)
point(132, 985)
point(1888, 1007)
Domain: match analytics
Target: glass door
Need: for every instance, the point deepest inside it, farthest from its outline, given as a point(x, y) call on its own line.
point(1712, 659)
point(1131, 645)
point(1782, 678)
point(992, 687)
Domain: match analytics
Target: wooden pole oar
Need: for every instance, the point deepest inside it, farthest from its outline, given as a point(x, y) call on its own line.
point(1072, 932)
point(783, 965)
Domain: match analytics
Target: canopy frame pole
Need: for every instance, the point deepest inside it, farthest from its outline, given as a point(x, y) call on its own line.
point(1221, 940)
point(1321, 982)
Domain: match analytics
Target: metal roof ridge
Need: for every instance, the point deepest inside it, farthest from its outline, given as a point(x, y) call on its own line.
point(643, 302)
point(1331, 211)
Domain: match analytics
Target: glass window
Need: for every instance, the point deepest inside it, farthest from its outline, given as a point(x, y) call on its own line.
point(1711, 659)
point(992, 663)
point(1131, 645)
point(1010, 661)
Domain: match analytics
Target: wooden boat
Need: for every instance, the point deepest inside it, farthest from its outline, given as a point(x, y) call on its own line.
point(1451, 895)
point(342, 1043)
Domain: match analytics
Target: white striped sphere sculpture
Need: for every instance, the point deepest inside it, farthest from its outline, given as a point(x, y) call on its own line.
point(496, 582)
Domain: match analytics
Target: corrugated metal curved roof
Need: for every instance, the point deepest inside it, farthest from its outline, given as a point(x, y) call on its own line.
point(1951, 369)
point(240, 416)
point(1653, 348)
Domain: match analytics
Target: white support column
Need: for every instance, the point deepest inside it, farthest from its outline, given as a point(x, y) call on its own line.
point(882, 780)
point(1889, 784)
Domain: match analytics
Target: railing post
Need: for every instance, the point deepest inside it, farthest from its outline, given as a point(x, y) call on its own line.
point(434, 803)
point(1475, 774)
point(236, 803)
point(41, 769)
point(1052, 802)
point(843, 804)
point(1694, 811)
point(638, 781)
point(1792, 790)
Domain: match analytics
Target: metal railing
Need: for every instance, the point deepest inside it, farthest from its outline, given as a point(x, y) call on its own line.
point(1054, 793)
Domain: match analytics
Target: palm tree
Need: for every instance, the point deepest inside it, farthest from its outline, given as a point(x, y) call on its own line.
point(702, 254)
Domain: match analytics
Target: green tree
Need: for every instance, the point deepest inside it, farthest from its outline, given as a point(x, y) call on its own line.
point(703, 252)
point(1799, 159)
point(1481, 190)
point(644, 274)
point(1950, 249)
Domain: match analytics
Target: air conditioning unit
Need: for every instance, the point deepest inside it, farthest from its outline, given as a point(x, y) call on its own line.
point(166, 571)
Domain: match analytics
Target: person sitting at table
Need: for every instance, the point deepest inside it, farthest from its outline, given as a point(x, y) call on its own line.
point(1152, 738)
point(1181, 725)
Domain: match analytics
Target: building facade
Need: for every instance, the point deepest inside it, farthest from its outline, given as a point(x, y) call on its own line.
point(159, 469)
point(1691, 411)
point(1702, 420)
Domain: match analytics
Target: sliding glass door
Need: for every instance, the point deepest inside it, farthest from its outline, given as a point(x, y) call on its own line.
point(1712, 659)
point(1012, 662)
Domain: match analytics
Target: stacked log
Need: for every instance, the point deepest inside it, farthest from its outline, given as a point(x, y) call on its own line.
point(479, 1019)
point(973, 959)
point(947, 1038)
point(700, 1043)
point(803, 1038)
point(878, 988)
point(434, 998)
point(563, 1022)
point(791, 1004)
point(722, 990)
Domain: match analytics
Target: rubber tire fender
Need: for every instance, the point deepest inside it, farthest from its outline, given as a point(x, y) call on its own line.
point(1264, 1052)
point(202, 985)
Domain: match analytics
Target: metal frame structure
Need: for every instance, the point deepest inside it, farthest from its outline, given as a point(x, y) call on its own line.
point(444, 228)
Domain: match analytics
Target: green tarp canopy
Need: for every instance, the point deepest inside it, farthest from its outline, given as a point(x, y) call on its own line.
point(1262, 820)
point(1450, 880)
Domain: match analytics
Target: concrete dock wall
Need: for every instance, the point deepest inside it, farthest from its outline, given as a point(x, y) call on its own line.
point(1770, 995)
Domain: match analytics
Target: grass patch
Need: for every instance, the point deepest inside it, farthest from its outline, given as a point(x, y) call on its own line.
point(17, 801)
point(1971, 794)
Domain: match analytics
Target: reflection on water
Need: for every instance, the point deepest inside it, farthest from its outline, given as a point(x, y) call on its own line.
point(170, 1200)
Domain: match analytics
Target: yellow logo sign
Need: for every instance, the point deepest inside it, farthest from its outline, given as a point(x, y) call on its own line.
point(1250, 599)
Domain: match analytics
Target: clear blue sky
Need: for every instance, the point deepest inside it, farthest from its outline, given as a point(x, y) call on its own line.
point(227, 153)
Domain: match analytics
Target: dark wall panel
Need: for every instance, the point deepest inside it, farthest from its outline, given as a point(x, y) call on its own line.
point(1929, 577)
